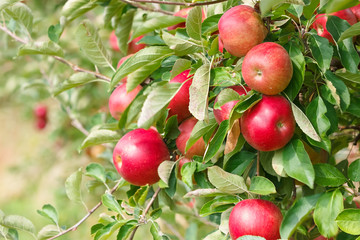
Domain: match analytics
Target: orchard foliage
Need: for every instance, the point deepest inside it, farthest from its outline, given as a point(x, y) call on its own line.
point(66, 46)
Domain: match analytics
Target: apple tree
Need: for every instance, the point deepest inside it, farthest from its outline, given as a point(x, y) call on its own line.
point(222, 119)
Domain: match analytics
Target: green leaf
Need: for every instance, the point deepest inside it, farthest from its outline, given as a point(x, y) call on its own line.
point(349, 221)
point(349, 76)
point(200, 129)
point(143, 62)
point(296, 215)
point(54, 32)
point(226, 182)
point(108, 230)
point(217, 235)
point(91, 45)
point(158, 22)
point(304, 123)
point(352, 31)
point(226, 95)
point(224, 77)
point(123, 29)
point(164, 171)
point(224, 223)
point(206, 192)
point(111, 203)
point(219, 204)
point(199, 91)
point(114, 9)
point(210, 24)
point(49, 212)
point(217, 140)
point(261, 185)
point(187, 172)
point(297, 163)
point(22, 14)
point(247, 101)
point(328, 175)
point(348, 55)
point(321, 50)
point(100, 136)
point(267, 5)
point(298, 62)
point(96, 171)
point(47, 232)
point(329, 205)
point(193, 23)
point(6, 3)
point(338, 90)
point(180, 66)
point(73, 186)
point(337, 5)
point(126, 229)
point(43, 48)
point(18, 223)
point(354, 171)
point(156, 231)
point(75, 80)
point(180, 46)
point(76, 8)
point(238, 163)
point(158, 99)
point(316, 112)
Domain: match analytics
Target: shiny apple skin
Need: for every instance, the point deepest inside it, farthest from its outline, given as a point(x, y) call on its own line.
point(255, 217)
point(356, 11)
point(138, 155)
point(185, 131)
point(320, 22)
point(179, 104)
point(224, 112)
point(267, 68)
point(240, 29)
point(269, 125)
point(120, 99)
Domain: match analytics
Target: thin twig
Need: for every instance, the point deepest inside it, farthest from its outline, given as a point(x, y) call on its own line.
point(11, 34)
point(179, 3)
point(74, 227)
point(146, 8)
point(145, 212)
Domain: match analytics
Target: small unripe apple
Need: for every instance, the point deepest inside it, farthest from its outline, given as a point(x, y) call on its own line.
point(224, 112)
point(320, 22)
point(267, 68)
point(255, 217)
point(269, 125)
point(133, 47)
point(138, 155)
point(241, 28)
point(184, 13)
point(179, 104)
point(185, 131)
point(356, 11)
point(120, 99)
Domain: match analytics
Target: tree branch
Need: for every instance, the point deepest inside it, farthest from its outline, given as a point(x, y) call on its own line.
point(179, 3)
point(145, 212)
point(146, 8)
point(91, 211)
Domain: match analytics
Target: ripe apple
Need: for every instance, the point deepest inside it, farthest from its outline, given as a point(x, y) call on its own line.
point(179, 104)
point(320, 22)
point(356, 11)
point(224, 112)
point(138, 155)
point(255, 217)
point(40, 112)
point(133, 47)
point(184, 13)
point(41, 123)
point(120, 99)
point(185, 131)
point(241, 28)
point(269, 125)
point(267, 68)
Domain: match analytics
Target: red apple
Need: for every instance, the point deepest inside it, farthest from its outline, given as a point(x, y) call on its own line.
point(184, 13)
point(185, 131)
point(267, 68)
point(269, 125)
point(179, 104)
point(356, 11)
point(320, 22)
point(255, 217)
point(133, 47)
point(138, 155)
point(41, 123)
point(224, 112)
point(120, 99)
point(40, 111)
point(241, 28)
